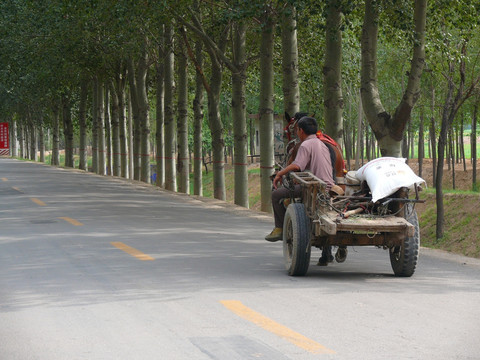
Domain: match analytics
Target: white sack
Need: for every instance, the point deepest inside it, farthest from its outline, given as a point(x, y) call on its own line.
point(386, 175)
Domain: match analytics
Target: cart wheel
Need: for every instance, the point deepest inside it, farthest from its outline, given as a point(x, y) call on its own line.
point(404, 258)
point(296, 237)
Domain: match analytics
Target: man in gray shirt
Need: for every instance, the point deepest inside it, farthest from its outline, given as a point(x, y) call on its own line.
point(313, 155)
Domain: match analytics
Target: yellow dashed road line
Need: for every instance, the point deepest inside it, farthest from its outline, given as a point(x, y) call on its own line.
point(71, 221)
point(278, 329)
point(134, 252)
point(41, 203)
point(38, 201)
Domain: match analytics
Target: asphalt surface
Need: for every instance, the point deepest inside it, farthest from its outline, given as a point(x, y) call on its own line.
point(94, 267)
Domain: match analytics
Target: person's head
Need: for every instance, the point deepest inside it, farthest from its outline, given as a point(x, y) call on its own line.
point(308, 125)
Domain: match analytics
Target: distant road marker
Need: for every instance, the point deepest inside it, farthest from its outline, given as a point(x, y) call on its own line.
point(38, 201)
point(134, 252)
point(71, 221)
point(278, 329)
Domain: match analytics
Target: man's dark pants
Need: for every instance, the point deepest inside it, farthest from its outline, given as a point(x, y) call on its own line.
point(278, 207)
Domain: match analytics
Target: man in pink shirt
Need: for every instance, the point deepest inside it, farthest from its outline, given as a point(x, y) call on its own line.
point(312, 155)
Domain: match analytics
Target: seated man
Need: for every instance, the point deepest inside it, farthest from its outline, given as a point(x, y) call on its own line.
point(313, 155)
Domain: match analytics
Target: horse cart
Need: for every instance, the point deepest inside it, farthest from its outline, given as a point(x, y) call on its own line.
point(324, 220)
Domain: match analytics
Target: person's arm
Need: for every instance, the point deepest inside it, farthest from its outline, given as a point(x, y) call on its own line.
point(278, 177)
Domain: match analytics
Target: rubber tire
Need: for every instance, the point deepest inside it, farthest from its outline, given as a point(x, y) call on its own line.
point(404, 261)
point(296, 238)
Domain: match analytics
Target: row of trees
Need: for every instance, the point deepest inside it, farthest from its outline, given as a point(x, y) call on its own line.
point(125, 77)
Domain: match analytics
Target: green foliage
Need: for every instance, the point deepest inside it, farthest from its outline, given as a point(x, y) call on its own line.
point(46, 47)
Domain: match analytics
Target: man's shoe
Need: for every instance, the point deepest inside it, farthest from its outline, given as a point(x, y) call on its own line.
point(275, 235)
point(324, 260)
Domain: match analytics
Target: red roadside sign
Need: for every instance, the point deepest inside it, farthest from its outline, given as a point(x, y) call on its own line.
point(4, 137)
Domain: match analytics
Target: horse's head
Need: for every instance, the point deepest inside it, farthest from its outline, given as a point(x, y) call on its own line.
point(290, 130)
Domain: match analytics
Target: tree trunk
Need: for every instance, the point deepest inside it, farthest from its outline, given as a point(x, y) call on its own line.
point(252, 140)
point(412, 142)
point(170, 143)
point(122, 126)
point(216, 52)
point(41, 140)
point(198, 123)
point(332, 72)
point(452, 154)
point(266, 112)
point(421, 144)
point(358, 151)
point(115, 131)
point(456, 143)
point(25, 142)
point(376, 115)
point(429, 149)
point(447, 152)
point(432, 134)
point(183, 164)
point(409, 137)
point(136, 123)
point(239, 117)
point(214, 118)
point(33, 139)
point(108, 132)
point(140, 107)
point(405, 145)
point(131, 156)
point(367, 143)
point(347, 140)
point(95, 127)
point(474, 144)
point(101, 128)
point(13, 136)
point(20, 139)
point(143, 112)
point(159, 115)
point(462, 146)
point(55, 159)
point(216, 129)
point(26, 138)
point(119, 86)
point(389, 130)
point(82, 122)
point(450, 109)
point(68, 131)
point(290, 87)
point(455, 159)
point(440, 165)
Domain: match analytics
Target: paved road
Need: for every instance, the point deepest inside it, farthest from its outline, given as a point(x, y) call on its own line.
point(99, 268)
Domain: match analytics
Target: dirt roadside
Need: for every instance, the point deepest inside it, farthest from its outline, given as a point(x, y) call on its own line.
point(462, 210)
